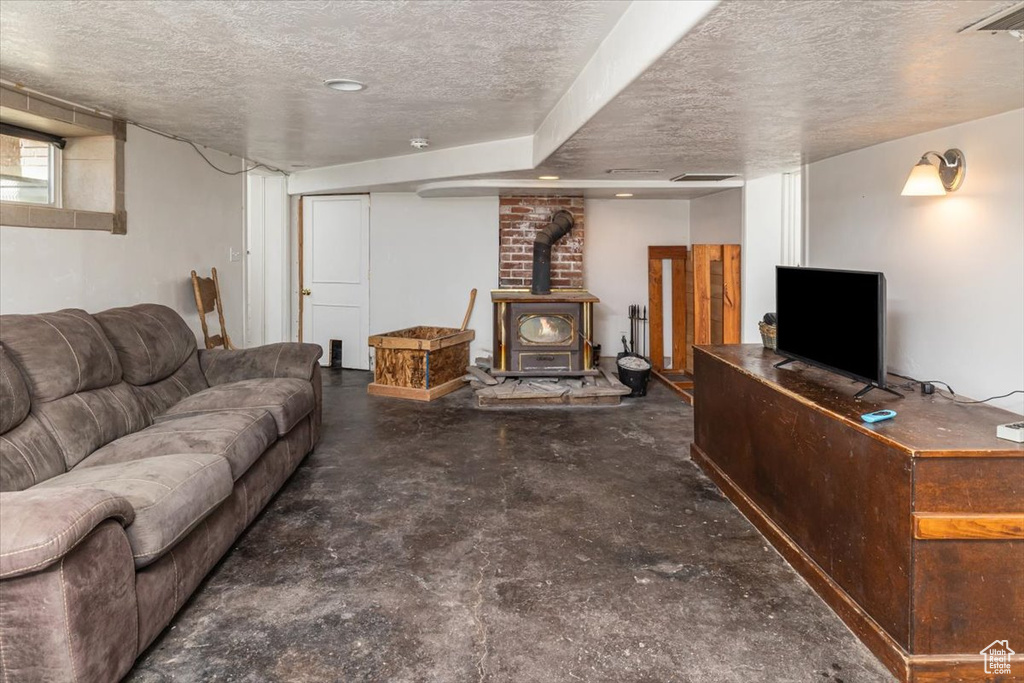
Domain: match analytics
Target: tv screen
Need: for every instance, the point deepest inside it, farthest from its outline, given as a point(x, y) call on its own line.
point(834, 319)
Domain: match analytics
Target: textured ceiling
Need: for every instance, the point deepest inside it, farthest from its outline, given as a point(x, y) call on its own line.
point(246, 77)
point(760, 87)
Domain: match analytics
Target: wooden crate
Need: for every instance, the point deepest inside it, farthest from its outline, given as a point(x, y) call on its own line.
point(420, 363)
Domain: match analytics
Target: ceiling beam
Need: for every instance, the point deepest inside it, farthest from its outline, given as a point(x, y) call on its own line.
point(496, 156)
point(485, 187)
point(645, 32)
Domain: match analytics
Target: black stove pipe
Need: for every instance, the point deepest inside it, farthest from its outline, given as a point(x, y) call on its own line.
point(560, 225)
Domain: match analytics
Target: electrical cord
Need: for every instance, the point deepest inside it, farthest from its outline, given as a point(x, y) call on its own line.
point(914, 380)
point(952, 394)
point(204, 157)
point(272, 169)
point(955, 399)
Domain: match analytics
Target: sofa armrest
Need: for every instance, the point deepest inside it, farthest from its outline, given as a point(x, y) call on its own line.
point(38, 527)
point(286, 359)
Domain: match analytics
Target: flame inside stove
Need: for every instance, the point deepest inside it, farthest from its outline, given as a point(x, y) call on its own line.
point(546, 329)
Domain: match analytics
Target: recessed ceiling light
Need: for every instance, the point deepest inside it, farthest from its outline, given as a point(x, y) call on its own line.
point(547, 177)
point(624, 194)
point(344, 84)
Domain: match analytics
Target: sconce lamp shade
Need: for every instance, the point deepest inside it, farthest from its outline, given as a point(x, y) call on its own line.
point(924, 181)
point(930, 180)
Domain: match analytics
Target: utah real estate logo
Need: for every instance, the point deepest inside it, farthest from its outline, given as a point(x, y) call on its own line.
point(997, 657)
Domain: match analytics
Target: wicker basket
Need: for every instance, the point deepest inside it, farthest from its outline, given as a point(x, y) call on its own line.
point(767, 334)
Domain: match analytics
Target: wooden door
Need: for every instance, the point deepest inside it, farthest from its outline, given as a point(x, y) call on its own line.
point(336, 276)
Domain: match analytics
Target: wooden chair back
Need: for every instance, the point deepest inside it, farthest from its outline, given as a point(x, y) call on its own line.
point(207, 291)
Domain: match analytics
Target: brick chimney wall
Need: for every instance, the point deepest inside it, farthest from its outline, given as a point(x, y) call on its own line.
point(520, 218)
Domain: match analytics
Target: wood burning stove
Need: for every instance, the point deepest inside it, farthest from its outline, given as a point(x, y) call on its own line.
point(540, 332)
point(543, 335)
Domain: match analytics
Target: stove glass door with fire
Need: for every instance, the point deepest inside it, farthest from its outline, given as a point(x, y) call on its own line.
point(543, 329)
point(546, 337)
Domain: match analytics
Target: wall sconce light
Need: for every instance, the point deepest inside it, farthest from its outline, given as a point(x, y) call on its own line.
point(928, 180)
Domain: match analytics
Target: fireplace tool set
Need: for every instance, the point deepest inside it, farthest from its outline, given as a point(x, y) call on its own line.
point(637, 332)
point(634, 368)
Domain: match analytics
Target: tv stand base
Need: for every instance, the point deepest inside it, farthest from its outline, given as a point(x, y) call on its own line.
point(869, 387)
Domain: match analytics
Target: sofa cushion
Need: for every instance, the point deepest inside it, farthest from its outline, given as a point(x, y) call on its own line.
point(238, 437)
point(170, 495)
point(84, 421)
point(161, 395)
point(151, 341)
point(60, 353)
point(28, 456)
point(287, 400)
point(14, 399)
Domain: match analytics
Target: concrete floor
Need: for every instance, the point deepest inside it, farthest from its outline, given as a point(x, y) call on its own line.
point(441, 542)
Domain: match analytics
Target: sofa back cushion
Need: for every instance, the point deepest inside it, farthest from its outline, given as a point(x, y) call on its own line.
point(74, 380)
point(87, 420)
point(60, 353)
point(14, 398)
point(158, 354)
point(28, 454)
point(157, 397)
point(152, 341)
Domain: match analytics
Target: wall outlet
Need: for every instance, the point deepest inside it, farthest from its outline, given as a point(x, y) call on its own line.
point(234, 255)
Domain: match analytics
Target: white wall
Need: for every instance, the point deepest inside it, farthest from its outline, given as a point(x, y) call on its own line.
point(717, 218)
point(954, 265)
point(425, 257)
point(426, 254)
point(182, 215)
point(762, 251)
point(615, 259)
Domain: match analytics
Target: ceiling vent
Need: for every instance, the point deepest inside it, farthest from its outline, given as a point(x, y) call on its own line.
point(1010, 19)
point(701, 177)
point(635, 171)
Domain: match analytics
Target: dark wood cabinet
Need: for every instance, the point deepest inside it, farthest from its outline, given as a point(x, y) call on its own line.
point(911, 529)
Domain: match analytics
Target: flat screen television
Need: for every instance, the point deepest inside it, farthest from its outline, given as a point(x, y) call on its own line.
point(834, 319)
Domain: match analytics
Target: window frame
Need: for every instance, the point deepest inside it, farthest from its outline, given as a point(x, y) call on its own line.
point(56, 176)
point(33, 111)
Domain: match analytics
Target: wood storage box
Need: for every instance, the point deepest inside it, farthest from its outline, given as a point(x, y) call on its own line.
point(420, 363)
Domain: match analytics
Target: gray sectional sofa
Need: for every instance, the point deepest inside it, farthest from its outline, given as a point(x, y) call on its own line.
point(129, 463)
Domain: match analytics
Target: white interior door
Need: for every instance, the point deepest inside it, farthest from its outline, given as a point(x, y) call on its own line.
point(336, 271)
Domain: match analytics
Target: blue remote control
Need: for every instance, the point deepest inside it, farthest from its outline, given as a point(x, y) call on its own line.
point(878, 416)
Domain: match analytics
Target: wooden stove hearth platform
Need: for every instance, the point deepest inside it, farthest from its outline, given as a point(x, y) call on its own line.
point(605, 389)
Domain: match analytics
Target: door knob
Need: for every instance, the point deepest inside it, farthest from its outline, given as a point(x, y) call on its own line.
point(306, 291)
